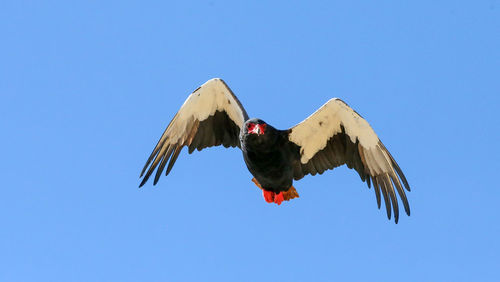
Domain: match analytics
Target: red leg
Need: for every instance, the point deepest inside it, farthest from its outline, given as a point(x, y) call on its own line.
point(268, 196)
point(279, 198)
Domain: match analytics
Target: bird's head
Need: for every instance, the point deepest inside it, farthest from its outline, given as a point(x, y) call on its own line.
point(257, 133)
point(255, 126)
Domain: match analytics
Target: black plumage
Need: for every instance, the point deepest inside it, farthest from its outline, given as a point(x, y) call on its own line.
point(333, 136)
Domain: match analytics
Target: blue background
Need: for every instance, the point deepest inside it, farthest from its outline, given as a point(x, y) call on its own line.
point(87, 88)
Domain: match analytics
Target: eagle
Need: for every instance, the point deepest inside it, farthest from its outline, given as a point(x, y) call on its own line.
point(332, 136)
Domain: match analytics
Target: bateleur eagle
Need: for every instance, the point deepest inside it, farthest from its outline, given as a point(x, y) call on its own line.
point(332, 136)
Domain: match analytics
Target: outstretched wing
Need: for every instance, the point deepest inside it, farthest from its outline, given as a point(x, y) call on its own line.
point(210, 116)
point(335, 135)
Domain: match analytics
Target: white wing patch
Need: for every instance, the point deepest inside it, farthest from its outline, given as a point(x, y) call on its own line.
point(212, 96)
point(313, 133)
point(188, 126)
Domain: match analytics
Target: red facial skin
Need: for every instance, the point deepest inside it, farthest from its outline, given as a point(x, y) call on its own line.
point(258, 129)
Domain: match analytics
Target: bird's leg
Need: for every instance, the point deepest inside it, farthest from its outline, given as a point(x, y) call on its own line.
point(269, 196)
point(286, 195)
point(277, 198)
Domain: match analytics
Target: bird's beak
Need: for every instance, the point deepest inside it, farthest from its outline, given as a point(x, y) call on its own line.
point(258, 129)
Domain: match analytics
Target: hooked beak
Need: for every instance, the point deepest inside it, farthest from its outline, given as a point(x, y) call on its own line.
point(258, 129)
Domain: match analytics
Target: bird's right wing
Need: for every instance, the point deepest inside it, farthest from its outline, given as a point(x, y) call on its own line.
point(335, 135)
point(210, 116)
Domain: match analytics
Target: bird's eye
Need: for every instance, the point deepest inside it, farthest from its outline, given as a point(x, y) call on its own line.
point(250, 126)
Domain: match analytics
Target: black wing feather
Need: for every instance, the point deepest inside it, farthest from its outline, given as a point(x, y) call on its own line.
point(203, 121)
point(375, 165)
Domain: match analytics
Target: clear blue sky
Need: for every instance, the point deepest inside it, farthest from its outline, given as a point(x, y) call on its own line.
point(87, 88)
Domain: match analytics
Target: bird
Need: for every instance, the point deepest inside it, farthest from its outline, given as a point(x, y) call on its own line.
point(332, 136)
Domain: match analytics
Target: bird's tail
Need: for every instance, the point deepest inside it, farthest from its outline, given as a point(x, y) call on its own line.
point(290, 194)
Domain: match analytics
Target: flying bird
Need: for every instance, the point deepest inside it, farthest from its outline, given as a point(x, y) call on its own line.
point(332, 136)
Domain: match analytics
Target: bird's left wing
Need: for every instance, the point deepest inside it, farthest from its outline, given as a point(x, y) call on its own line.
point(210, 116)
point(335, 135)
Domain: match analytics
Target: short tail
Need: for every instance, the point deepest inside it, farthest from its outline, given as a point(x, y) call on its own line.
point(290, 194)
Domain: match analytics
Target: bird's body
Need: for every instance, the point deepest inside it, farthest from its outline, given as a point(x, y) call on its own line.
point(269, 157)
point(332, 136)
